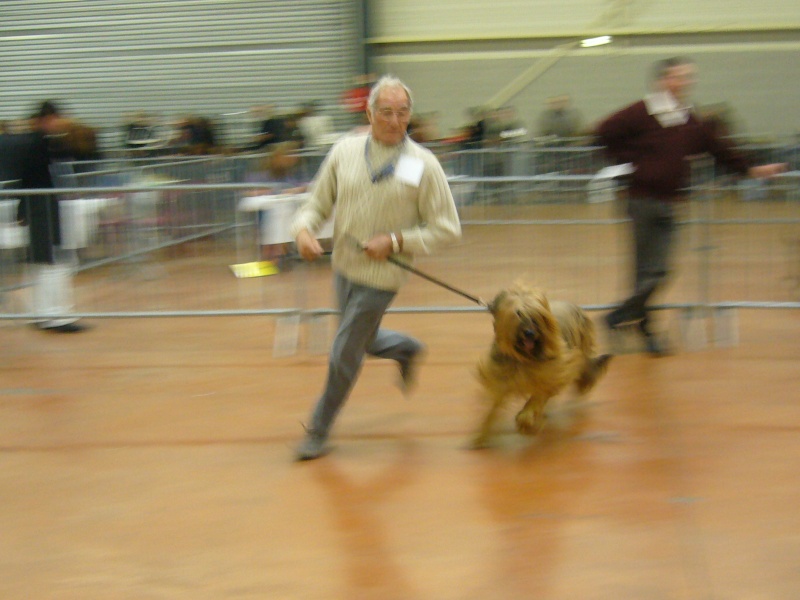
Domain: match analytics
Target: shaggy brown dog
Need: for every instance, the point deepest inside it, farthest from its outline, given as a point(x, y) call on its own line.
point(540, 348)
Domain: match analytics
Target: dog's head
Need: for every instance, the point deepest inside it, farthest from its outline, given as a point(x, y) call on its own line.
point(524, 326)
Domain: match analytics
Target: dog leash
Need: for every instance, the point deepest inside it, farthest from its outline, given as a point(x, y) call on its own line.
point(397, 262)
point(432, 279)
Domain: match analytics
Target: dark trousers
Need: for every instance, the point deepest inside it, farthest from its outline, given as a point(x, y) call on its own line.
point(654, 226)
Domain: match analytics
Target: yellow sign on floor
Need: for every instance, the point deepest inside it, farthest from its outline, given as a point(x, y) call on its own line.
point(259, 268)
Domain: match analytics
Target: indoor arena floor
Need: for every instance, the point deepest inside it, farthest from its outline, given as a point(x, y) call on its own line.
point(152, 459)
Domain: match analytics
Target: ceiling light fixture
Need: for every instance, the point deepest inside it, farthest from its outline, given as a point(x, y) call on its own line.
point(596, 41)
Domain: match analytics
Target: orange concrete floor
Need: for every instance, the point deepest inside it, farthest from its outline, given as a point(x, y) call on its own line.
point(152, 459)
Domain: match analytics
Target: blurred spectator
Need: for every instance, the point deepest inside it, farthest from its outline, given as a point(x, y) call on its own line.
point(82, 142)
point(49, 120)
point(195, 135)
point(279, 173)
point(26, 158)
point(355, 98)
point(317, 129)
point(68, 139)
point(291, 130)
point(510, 125)
point(139, 130)
point(203, 136)
point(423, 128)
point(281, 167)
point(493, 156)
point(472, 133)
point(471, 139)
point(181, 135)
point(271, 128)
point(559, 119)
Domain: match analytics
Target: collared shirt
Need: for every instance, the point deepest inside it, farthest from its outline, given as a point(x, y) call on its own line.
point(666, 109)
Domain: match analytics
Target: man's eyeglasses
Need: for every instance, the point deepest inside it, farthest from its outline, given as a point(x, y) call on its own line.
point(402, 114)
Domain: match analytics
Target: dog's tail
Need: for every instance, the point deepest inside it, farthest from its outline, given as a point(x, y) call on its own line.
point(595, 368)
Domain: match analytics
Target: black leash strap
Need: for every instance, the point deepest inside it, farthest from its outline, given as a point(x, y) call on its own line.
point(439, 282)
point(432, 279)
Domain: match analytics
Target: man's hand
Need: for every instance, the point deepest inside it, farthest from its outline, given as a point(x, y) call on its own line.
point(379, 247)
point(766, 171)
point(308, 246)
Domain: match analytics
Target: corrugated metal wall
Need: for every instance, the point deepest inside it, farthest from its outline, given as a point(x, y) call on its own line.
point(214, 58)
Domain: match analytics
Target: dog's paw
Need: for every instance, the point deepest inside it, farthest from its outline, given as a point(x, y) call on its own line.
point(530, 423)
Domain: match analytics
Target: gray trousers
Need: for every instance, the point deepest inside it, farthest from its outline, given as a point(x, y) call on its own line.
point(653, 233)
point(361, 310)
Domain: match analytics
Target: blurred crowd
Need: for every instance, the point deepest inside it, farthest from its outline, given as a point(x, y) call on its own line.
point(70, 139)
point(558, 123)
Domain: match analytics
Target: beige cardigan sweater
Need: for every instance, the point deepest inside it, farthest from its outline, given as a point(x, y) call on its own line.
point(425, 214)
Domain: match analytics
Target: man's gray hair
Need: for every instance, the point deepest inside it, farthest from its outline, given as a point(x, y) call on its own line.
point(388, 81)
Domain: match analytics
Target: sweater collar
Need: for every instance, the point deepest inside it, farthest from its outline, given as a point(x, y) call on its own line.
point(666, 109)
point(387, 156)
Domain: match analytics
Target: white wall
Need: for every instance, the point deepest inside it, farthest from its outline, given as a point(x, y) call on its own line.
point(448, 19)
point(464, 53)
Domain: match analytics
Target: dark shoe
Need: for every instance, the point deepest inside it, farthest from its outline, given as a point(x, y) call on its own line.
point(74, 327)
point(313, 446)
point(409, 371)
point(654, 346)
point(654, 343)
point(611, 321)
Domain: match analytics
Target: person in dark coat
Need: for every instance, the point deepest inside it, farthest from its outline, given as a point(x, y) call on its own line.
point(656, 135)
point(25, 160)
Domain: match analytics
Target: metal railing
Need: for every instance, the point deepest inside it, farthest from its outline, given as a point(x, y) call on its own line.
point(151, 238)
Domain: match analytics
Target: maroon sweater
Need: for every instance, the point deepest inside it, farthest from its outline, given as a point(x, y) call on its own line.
point(659, 153)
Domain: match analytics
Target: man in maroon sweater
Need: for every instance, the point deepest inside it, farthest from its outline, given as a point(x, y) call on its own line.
point(656, 135)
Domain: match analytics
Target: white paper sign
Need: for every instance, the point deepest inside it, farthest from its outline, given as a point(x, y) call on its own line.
point(409, 170)
point(614, 171)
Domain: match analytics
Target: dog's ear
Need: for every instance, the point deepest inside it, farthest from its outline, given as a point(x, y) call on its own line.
point(542, 299)
point(494, 305)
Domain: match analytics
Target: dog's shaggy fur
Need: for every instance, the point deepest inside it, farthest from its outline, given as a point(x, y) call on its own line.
point(539, 349)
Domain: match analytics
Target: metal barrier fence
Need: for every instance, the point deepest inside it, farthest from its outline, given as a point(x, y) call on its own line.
point(155, 237)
